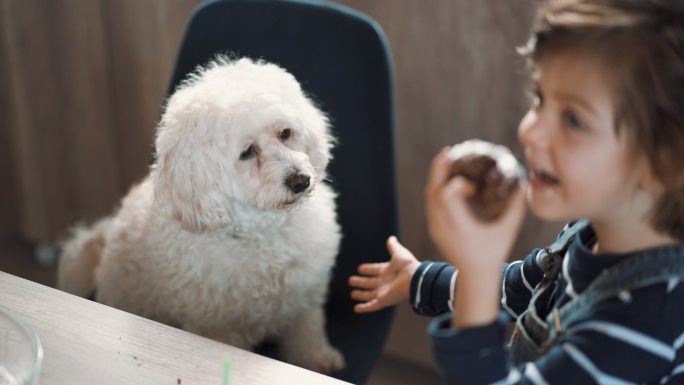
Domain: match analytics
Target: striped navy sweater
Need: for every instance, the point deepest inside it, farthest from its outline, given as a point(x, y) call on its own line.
point(635, 338)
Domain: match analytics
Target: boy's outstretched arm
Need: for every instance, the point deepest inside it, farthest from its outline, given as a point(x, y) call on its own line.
point(384, 284)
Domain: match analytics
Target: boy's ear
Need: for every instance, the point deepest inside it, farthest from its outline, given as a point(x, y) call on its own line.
point(647, 179)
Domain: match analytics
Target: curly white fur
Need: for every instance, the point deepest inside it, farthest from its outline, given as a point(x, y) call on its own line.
point(216, 240)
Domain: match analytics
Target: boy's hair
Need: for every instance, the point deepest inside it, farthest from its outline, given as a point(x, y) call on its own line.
point(640, 46)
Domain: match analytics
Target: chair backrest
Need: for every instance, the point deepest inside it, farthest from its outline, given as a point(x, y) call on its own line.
point(341, 58)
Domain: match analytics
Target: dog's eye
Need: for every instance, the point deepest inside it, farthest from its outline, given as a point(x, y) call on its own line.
point(248, 153)
point(285, 134)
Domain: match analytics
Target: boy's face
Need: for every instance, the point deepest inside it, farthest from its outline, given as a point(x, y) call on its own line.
point(579, 167)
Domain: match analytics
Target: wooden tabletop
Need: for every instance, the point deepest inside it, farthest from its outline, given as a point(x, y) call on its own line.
point(91, 344)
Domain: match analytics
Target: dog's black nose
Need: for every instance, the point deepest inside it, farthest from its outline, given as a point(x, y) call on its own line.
point(298, 182)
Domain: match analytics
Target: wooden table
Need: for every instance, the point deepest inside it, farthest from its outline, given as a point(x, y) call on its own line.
point(86, 343)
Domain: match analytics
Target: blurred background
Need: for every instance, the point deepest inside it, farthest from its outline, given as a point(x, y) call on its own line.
point(82, 84)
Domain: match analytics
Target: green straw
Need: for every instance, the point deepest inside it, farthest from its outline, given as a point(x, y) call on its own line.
point(226, 371)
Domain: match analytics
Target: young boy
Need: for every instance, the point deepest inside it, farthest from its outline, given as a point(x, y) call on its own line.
point(604, 141)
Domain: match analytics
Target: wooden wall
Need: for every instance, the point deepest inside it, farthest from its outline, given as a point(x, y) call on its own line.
point(83, 82)
point(82, 86)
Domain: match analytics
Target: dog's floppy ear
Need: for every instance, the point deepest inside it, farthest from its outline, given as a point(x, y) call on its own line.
point(319, 140)
point(187, 171)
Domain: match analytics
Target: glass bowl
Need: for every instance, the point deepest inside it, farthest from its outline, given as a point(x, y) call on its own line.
point(21, 354)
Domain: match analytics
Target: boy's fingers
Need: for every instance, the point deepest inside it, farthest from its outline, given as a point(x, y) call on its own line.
point(363, 282)
point(363, 295)
point(460, 187)
point(439, 169)
point(457, 192)
point(367, 307)
point(393, 245)
point(516, 206)
point(371, 268)
point(453, 197)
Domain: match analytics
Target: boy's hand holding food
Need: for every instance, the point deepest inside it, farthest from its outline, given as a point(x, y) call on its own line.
point(475, 204)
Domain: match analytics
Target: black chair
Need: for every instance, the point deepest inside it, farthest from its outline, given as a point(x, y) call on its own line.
point(341, 58)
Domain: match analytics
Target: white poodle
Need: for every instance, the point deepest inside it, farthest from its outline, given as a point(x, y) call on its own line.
point(233, 234)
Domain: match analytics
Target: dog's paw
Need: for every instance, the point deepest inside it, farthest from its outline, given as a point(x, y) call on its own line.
point(329, 360)
point(325, 359)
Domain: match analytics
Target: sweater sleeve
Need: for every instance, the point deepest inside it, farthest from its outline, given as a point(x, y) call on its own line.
point(469, 355)
point(433, 284)
point(432, 288)
point(519, 280)
point(639, 341)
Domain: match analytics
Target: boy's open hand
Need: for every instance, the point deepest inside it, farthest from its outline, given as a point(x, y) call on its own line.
point(384, 284)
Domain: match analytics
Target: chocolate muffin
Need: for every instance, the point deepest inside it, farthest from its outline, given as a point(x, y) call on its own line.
point(494, 171)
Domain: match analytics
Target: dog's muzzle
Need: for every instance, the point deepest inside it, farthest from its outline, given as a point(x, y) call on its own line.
point(298, 182)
